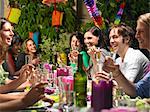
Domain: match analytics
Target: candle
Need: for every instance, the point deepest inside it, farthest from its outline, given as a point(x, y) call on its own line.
point(101, 95)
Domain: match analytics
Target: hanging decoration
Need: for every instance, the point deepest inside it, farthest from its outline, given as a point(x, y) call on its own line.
point(94, 13)
point(48, 2)
point(35, 37)
point(119, 13)
point(57, 18)
point(14, 15)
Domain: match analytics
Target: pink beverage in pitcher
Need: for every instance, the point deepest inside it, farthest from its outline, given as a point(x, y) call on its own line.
point(68, 80)
point(101, 95)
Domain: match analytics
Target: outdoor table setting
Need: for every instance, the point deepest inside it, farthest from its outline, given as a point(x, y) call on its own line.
point(101, 96)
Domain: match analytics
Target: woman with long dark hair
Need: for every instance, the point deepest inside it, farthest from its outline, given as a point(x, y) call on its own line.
point(97, 47)
point(10, 62)
point(77, 46)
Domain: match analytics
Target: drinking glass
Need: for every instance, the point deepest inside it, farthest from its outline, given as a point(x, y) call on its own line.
point(67, 100)
point(66, 93)
point(27, 59)
point(100, 58)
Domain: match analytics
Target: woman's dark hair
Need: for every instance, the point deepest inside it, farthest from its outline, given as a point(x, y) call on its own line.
point(80, 37)
point(2, 22)
point(102, 41)
point(16, 40)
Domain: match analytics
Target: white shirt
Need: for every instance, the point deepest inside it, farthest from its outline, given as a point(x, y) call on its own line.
point(133, 64)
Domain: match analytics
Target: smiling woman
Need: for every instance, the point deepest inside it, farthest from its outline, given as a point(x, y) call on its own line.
point(29, 55)
point(6, 31)
point(9, 102)
point(97, 47)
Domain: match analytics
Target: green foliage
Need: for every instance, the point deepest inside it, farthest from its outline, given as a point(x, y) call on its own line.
point(85, 26)
point(51, 46)
point(132, 10)
point(36, 16)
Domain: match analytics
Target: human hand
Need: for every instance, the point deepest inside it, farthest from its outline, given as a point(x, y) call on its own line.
point(36, 61)
point(45, 99)
point(73, 56)
point(25, 72)
point(35, 76)
point(106, 77)
point(34, 95)
point(109, 66)
point(92, 51)
point(102, 76)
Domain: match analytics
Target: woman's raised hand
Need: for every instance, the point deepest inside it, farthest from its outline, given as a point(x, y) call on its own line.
point(36, 61)
point(25, 72)
point(73, 55)
point(92, 51)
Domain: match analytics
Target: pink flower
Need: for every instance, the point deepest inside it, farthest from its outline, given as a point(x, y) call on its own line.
point(47, 66)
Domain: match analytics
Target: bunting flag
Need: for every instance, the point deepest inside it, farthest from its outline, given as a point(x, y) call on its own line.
point(57, 17)
point(119, 13)
point(14, 15)
point(35, 37)
point(94, 13)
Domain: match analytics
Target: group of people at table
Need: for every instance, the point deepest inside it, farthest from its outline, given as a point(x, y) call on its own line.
point(129, 65)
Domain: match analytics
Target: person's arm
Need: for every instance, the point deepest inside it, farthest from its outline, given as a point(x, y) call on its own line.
point(22, 86)
point(24, 73)
point(11, 96)
point(34, 95)
point(10, 86)
point(127, 86)
point(143, 86)
point(110, 66)
point(12, 105)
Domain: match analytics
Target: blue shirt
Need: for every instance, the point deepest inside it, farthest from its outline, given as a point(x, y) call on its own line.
point(143, 87)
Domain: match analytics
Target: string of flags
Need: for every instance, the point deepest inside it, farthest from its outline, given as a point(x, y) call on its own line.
point(119, 13)
point(94, 13)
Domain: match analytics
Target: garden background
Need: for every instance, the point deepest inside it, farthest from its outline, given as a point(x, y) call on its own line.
point(37, 17)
